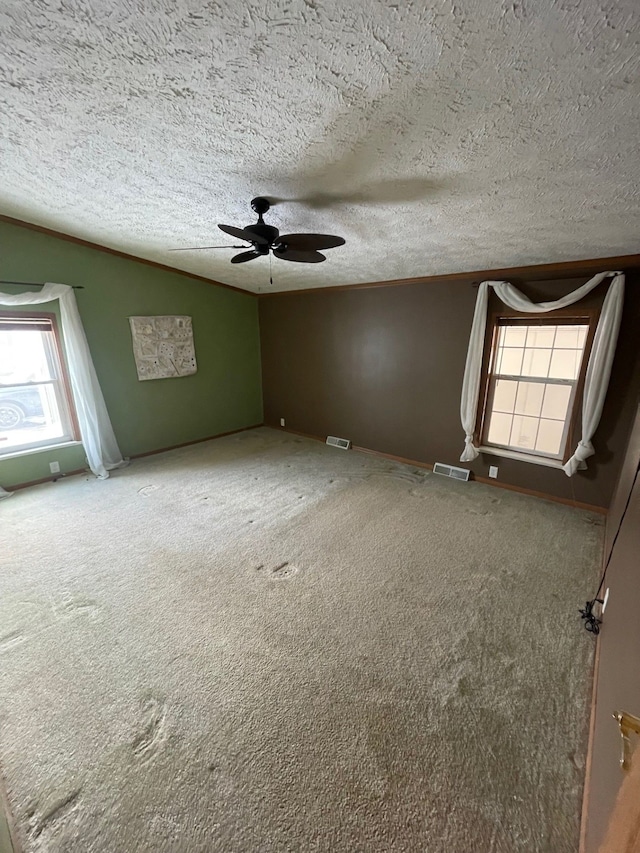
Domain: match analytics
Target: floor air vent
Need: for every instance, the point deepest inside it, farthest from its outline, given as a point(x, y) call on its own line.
point(342, 443)
point(451, 471)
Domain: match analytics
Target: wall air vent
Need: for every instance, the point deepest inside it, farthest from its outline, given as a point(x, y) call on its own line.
point(342, 443)
point(451, 471)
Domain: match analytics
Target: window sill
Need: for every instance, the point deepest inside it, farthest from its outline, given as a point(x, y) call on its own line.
point(28, 451)
point(522, 457)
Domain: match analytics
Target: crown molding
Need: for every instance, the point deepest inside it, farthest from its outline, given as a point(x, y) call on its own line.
point(538, 272)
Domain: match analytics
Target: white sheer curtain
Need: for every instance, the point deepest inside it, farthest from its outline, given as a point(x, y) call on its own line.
point(96, 432)
point(598, 369)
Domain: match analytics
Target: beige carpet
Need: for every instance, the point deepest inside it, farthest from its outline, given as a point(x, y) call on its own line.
point(264, 644)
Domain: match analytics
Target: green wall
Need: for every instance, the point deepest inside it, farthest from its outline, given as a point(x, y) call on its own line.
point(225, 393)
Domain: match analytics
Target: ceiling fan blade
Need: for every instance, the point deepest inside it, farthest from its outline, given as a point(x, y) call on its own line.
point(311, 242)
point(199, 248)
point(299, 256)
point(247, 236)
point(244, 256)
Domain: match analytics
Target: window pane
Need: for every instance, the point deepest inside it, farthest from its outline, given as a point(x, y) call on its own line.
point(510, 361)
point(550, 437)
point(513, 336)
point(552, 352)
point(565, 364)
point(499, 428)
point(504, 396)
point(529, 398)
point(570, 337)
point(540, 336)
point(33, 402)
point(523, 432)
point(536, 362)
point(29, 414)
point(24, 356)
point(556, 401)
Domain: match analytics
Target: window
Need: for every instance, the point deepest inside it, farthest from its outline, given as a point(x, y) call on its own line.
point(534, 374)
point(35, 402)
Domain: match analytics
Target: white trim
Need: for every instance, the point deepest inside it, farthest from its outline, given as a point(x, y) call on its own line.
point(522, 457)
point(31, 450)
point(548, 380)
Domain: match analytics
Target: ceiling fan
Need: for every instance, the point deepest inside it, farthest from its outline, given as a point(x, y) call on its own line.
point(301, 248)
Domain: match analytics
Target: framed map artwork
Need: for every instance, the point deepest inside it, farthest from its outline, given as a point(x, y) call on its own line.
point(163, 347)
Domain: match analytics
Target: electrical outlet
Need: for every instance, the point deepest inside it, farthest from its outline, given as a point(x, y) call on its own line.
point(493, 472)
point(281, 421)
point(54, 467)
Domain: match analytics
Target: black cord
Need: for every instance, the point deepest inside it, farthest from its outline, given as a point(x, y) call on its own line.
point(591, 621)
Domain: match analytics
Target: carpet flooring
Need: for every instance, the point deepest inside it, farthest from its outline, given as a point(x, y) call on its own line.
point(260, 643)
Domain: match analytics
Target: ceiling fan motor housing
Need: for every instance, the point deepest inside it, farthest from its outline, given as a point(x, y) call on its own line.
point(266, 232)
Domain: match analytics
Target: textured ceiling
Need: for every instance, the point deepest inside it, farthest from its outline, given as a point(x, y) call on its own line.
point(434, 138)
